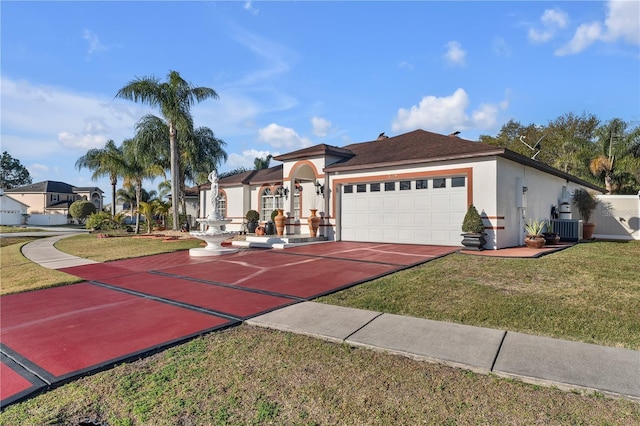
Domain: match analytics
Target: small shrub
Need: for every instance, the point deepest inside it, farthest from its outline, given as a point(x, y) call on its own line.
point(273, 215)
point(101, 221)
point(252, 216)
point(472, 223)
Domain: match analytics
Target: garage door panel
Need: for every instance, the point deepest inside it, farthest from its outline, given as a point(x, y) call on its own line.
point(418, 216)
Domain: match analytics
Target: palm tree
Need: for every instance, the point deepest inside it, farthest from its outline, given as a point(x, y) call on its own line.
point(262, 163)
point(174, 98)
point(139, 166)
point(617, 163)
point(200, 151)
point(108, 161)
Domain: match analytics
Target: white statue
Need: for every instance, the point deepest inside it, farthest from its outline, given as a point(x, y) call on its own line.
point(213, 178)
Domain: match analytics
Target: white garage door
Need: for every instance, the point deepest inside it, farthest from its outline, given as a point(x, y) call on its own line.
point(418, 211)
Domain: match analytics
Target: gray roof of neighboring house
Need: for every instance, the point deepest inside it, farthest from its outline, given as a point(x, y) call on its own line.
point(52, 186)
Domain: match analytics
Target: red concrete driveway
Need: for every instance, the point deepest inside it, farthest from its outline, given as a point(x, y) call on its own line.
point(126, 309)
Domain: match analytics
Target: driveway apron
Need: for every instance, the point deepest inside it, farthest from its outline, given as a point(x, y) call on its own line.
point(131, 308)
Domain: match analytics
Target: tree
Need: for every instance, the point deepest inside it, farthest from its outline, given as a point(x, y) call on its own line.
point(108, 161)
point(12, 173)
point(139, 166)
point(174, 98)
point(200, 151)
point(81, 209)
point(262, 162)
point(616, 163)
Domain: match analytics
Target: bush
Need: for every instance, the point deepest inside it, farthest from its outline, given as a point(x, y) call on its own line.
point(81, 209)
point(472, 223)
point(102, 221)
point(252, 216)
point(273, 215)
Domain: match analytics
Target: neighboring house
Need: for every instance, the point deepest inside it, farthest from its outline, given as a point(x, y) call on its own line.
point(49, 200)
point(412, 188)
point(12, 211)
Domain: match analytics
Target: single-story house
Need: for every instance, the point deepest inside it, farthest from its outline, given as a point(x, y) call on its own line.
point(49, 200)
point(12, 211)
point(411, 188)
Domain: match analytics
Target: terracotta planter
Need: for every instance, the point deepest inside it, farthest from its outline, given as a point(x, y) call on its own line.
point(534, 241)
point(314, 222)
point(280, 220)
point(587, 230)
point(260, 230)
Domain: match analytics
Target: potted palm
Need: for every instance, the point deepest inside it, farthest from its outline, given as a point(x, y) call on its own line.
point(534, 238)
point(586, 203)
point(473, 230)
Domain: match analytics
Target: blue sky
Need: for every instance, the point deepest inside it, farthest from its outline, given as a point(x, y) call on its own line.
point(294, 74)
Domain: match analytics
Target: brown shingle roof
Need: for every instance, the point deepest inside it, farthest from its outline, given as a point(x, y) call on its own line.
point(315, 151)
point(413, 147)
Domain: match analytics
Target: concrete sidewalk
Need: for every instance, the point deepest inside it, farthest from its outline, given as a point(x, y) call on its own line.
point(539, 360)
point(43, 252)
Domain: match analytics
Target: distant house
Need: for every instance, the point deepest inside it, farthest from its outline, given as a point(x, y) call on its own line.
point(49, 200)
point(412, 188)
point(12, 211)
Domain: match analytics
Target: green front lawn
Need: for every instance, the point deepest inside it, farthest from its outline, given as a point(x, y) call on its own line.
point(590, 293)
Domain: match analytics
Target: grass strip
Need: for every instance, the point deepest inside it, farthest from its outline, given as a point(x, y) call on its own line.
point(254, 376)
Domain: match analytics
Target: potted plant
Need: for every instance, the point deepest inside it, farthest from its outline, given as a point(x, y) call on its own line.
point(252, 217)
point(586, 203)
point(534, 238)
point(551, 237)
point(473, 230)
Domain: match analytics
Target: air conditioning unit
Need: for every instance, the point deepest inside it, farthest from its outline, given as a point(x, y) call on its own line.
point(569, 230)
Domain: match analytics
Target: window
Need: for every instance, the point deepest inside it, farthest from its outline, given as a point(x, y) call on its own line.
point(221, 205)
point(296, 202)
point(440, 183)
point(361, 187)
point(389, 186)
point(422, 184)
point(374, 187)
point(269, 203)
point(458, 182)
point(348, 189)
point(405, 185)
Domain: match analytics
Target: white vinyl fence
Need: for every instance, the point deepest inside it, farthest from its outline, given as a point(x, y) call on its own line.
point(617, 217)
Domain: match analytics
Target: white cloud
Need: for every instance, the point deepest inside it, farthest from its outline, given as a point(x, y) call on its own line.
point(282, 137)
point(585, 36)
point(500, 47)
point(48, 118)
point(94, 42)
point(321, 126)
point(446, 114)
point(246, 158)
point(455, 54)
point(622, 23)
point(552, 20)
point(248, 6)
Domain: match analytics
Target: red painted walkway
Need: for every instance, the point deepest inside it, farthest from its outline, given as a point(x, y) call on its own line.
point(129, 308)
